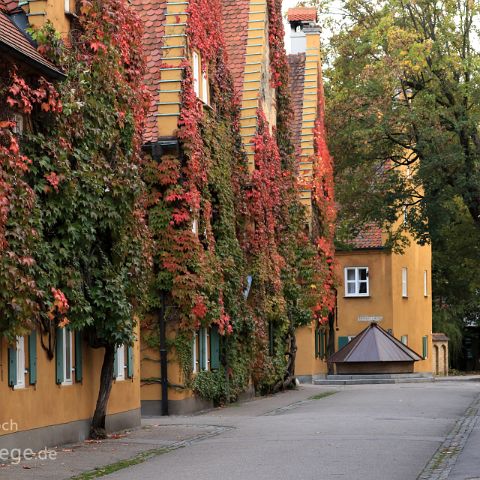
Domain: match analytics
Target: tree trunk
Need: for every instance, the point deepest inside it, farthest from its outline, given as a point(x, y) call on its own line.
point(289, 376)
point(97, 428)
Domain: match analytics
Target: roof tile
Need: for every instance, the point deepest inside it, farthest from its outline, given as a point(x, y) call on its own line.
point(235, 31)
point(369, 237)
point(14, 39)
point(302, 14)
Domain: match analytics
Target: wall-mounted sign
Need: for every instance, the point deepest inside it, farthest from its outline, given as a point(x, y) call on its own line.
point(370, 318)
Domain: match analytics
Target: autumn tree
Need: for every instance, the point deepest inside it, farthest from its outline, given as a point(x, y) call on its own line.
point(403, 115)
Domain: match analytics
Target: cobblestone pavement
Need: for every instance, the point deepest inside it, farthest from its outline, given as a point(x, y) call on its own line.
point(442, 464)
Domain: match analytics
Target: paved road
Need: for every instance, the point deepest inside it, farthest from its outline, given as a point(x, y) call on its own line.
point(377, 432)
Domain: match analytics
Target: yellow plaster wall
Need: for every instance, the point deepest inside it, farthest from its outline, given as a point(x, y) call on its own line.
point(40, 11)
point(256, 78)
point(410, 316)
point(413, 315)
point(47, 403)
point(150, 369)
point(379, 301)
point(309, 114)
point(305, 362)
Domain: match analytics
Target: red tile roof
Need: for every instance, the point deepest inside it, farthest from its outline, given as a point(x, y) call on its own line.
point(15, 43)
point(152, 14)
point(302, 14)
point(296, 62)
point(235, 31)
point(8, 6)
point(369, 237)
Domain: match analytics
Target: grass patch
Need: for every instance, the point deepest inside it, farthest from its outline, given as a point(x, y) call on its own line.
point(115, 467)
point(321, 395)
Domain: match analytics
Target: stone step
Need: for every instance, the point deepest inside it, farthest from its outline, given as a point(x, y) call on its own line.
point(380, 376)
point(373, 381)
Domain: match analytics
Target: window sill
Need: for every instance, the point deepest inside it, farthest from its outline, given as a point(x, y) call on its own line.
point(19, 387)
point(356, 296)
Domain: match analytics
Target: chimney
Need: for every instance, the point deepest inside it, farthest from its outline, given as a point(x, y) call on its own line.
point(300, 19)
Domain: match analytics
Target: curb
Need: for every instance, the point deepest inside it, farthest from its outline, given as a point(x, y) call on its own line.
point(444, 459)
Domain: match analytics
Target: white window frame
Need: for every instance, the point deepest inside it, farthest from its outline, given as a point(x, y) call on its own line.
point(121, 366)
point(21, 371)
point(67, 6)
point(425, 283)
point(206, 360)
point(404, 340)
point(194, 353)
point(404, 282)
point(196, 73)
point(205, 87)
point(67, 372)
point(356, 282)
point(195, 226)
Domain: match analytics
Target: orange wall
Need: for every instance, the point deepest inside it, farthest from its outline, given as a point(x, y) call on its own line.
point(47, 403)
point(305, 361)
point(410, 316)
point(150, 368)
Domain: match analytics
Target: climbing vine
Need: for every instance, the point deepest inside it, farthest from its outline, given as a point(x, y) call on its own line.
point(80, 249)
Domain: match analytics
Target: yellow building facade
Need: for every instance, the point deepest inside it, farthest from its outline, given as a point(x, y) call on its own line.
point(398, 297)
point(245, 31)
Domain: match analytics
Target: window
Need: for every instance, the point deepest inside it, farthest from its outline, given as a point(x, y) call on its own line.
point(205, 87)
point(425, 347)
point(20, 357)
point(320, 343)
point(195, 353)
point(404, 339)
point(120, 363)
point(356, 282)
point(195, 226)
point(67, 6)
point(206, 349)
point(425, 284)
point(67, 356)
point(404, 282)
point(196, 73)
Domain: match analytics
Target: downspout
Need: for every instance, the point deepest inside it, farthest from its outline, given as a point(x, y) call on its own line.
point(163, 356)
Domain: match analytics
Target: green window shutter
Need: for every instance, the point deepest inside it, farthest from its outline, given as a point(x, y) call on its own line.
point(321, 341)
point(115, 364)
point(78, 356)
point(342, 341)
point(12, 367)
point(203, 353)
point(59, 357)
point(316, 342)
point(425, 347)
point(214, 348)
point(32, 357)
point(130, 362)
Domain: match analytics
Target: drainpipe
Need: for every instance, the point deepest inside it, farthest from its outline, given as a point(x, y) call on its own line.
point(163, 357)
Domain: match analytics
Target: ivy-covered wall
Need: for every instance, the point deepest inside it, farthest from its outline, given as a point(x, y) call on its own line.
point(248, 225)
